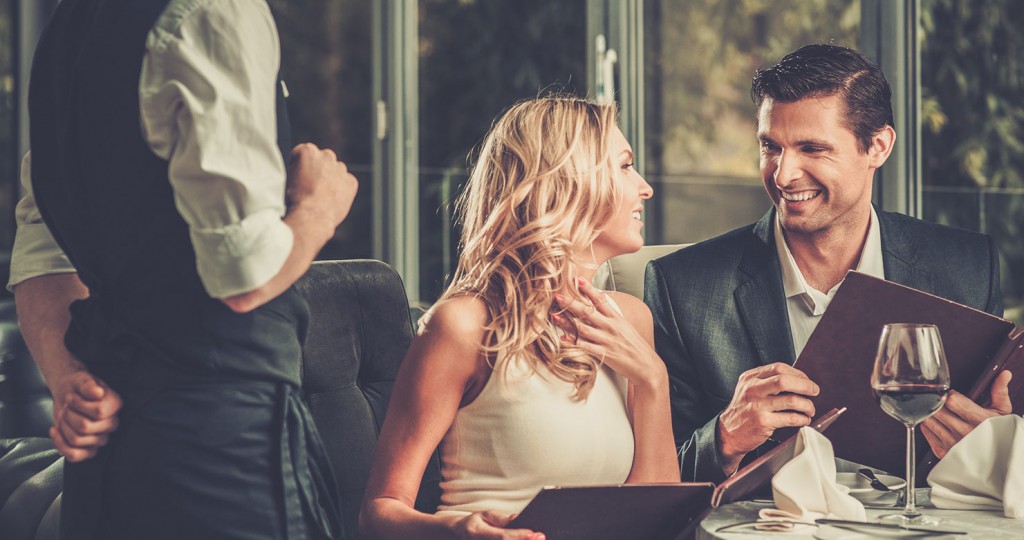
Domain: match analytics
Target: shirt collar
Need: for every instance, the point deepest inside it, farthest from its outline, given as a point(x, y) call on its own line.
point(793, 281)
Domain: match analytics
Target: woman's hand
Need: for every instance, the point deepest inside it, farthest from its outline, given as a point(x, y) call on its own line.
point(604, 333)
point(490, 525)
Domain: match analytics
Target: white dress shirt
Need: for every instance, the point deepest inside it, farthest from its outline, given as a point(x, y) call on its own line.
point(207, 95)
point(806, 304)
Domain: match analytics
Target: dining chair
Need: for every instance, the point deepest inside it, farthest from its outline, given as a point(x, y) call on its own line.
point(359, 332)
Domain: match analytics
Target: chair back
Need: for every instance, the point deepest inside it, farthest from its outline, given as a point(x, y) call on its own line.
point(625, 273)
point(359, 332)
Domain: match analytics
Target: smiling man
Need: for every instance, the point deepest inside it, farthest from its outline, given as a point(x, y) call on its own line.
point(732, 314)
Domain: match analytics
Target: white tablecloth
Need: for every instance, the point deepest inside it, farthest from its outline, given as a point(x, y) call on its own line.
point(982, 525)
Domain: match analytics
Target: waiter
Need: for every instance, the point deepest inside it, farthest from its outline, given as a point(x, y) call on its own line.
point(155, 208)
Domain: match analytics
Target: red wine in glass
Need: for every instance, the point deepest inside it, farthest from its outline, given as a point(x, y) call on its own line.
point(911, 403)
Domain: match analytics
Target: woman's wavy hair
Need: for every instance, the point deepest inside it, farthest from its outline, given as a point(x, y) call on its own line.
point(540, 192)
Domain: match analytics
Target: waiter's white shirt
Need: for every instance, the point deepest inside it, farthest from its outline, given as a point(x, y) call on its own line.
point(805, 304)
point(207, 95)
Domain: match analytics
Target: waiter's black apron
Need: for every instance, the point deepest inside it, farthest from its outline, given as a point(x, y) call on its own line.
point(214, 440)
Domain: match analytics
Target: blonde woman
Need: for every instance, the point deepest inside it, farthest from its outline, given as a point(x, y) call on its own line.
point(523, 372)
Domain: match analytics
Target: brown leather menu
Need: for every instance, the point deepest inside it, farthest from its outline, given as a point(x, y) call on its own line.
point(839, 357)
point(648, 511)
point(637, 511)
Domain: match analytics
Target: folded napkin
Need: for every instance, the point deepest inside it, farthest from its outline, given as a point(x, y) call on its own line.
point(985, 470)
point(805, 489)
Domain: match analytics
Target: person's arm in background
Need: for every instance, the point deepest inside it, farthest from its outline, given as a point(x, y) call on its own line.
point(44, 283)
point(209, 106)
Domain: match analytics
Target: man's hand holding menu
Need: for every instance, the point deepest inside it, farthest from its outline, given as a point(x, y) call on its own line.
point(960, 415)
point(766, 398)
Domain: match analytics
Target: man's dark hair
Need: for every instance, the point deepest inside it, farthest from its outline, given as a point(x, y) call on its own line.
point(824, 70)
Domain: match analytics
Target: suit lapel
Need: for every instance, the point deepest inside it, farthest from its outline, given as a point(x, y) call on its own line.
point(900, 255)
point(761, 300)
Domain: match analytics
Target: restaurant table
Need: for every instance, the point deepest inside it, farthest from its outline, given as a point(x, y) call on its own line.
point(980, 524)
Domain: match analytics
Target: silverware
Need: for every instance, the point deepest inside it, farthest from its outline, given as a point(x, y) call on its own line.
point(890, 526)
point(875, 482)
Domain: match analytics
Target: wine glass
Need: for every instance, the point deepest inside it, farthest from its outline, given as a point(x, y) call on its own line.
point(910, 381)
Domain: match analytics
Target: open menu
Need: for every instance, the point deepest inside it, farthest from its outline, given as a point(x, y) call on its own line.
point(649, 511)
point(839, 357)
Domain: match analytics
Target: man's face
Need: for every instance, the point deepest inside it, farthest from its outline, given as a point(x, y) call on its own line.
point(813, 168)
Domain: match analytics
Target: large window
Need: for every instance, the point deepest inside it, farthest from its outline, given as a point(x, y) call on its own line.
point(972, 123)
point(403, 90)
point(701, 146)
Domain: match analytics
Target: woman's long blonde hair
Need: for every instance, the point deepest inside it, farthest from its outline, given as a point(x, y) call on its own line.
point(541, 190)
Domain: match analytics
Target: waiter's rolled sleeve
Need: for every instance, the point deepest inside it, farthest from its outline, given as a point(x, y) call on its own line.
point(208, 105)
point(242, 256)
point(35, 252)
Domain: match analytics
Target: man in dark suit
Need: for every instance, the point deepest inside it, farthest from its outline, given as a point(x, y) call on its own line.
point(732, 314)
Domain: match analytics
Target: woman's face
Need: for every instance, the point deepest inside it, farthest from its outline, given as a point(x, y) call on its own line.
point(622, 233)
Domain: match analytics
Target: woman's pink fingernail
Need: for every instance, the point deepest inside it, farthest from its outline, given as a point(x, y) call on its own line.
point(580, 280)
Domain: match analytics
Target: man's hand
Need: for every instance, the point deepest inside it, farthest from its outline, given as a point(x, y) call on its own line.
point(766, 398)
point(960, 415)
point(84, 415)
point(320, 183)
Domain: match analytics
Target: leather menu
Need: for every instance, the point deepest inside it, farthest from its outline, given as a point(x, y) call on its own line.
point(839, 357)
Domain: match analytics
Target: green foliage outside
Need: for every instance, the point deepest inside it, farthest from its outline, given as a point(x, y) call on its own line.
point(972, 114)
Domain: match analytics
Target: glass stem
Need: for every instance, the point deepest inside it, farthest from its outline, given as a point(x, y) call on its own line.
point(910, 509)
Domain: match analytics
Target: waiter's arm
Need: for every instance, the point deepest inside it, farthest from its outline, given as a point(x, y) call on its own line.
point(84, 408)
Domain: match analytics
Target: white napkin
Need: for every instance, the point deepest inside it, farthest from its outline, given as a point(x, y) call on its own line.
point(985, 470)
point(805, 489)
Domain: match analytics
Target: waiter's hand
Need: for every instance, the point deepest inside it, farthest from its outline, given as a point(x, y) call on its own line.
point(766, 398)
point(960, 415)
point(318, 181)
point(84, 415)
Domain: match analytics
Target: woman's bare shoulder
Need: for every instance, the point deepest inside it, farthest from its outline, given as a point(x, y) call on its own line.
point(449, 344)
point(462, 316)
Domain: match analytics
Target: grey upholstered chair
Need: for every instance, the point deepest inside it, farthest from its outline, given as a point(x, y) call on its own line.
point(359, 332)
point(625, 273)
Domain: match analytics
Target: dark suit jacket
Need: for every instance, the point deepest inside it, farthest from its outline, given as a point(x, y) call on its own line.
point(720, 309)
